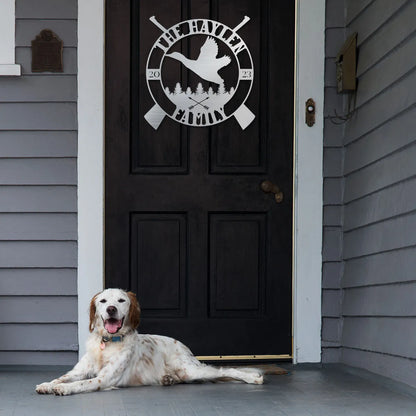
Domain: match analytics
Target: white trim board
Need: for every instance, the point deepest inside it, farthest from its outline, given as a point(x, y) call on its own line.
point(309, 82)
point(7, 39)
point(308, 182)
point(90, 158)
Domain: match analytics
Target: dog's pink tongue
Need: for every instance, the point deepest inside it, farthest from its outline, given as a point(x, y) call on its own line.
point(112, 325)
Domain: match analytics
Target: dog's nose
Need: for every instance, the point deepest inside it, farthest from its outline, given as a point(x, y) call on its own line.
point(111, 310)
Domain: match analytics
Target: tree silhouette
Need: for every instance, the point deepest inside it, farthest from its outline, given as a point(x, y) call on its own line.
point(178, 89)
point(221, 89)
point(199, 89)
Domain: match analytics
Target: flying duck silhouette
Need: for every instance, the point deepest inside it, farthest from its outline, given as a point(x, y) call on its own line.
point(207, 64)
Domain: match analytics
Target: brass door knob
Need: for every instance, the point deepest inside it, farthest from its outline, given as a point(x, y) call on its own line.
point(269, 187)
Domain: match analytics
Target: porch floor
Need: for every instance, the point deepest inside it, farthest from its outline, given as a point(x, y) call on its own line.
point(330, 390)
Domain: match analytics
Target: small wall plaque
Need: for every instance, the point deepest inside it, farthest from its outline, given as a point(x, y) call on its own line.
point(47, 52)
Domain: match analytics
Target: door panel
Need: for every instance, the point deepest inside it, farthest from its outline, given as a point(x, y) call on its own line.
point(187, 225)
point(160, 237)
point(237, 265)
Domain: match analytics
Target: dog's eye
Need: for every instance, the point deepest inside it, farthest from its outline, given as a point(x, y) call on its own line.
point(103, 300)
point(121, 300)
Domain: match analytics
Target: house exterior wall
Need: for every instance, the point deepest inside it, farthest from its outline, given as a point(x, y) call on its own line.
point(379, 280)
point(38, 195)
point(369, 317)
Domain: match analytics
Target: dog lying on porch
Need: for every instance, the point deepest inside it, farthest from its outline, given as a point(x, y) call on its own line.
point(117, 356)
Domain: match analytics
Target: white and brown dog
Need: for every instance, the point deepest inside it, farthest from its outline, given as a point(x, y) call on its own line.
point(117, 356)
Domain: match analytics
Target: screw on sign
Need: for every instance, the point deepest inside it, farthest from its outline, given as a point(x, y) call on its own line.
point(198, 107)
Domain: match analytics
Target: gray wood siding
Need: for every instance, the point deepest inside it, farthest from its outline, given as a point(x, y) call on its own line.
point(39, 337)
point(38, 254)
point(38, 198)
point(38, 201)
point(369, 252)
point(38, 116)
point(333, 189)
point(39, 357)
point(39, 226)
point(384, 36)
point(382, 141)
point(388, 235)
point(38, 282)
point(31, 144)
point(38, 309)
point(39, 171)
point(382, 335)
point(371, 16)
point(379, 279)
point(47, 9)
point(40, 88)
point(376, 301)
point(381, 268)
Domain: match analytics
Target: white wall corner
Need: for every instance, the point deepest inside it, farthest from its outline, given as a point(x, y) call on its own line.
point(90, 159)
point(8, 67)
point(309, 83)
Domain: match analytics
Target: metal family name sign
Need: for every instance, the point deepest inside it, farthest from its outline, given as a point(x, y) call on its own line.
point(200, 107)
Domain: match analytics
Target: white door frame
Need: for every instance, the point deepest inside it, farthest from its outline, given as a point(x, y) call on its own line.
point(307, 259)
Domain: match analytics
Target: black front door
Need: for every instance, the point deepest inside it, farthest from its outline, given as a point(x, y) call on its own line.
point(191, 138)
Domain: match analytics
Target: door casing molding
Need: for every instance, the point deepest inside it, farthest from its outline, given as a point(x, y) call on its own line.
point(308, 181)
point(91, 30)
point(308, 197)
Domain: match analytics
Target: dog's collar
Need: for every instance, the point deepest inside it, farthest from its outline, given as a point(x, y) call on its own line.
point(118, 338)
point(104, 340)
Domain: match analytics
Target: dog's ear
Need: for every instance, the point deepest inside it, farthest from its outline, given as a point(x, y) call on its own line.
point(93, 311)
point(134, 312)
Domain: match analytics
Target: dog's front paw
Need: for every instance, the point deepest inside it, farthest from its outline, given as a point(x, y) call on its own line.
point(61, 390)
point(45, 388)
